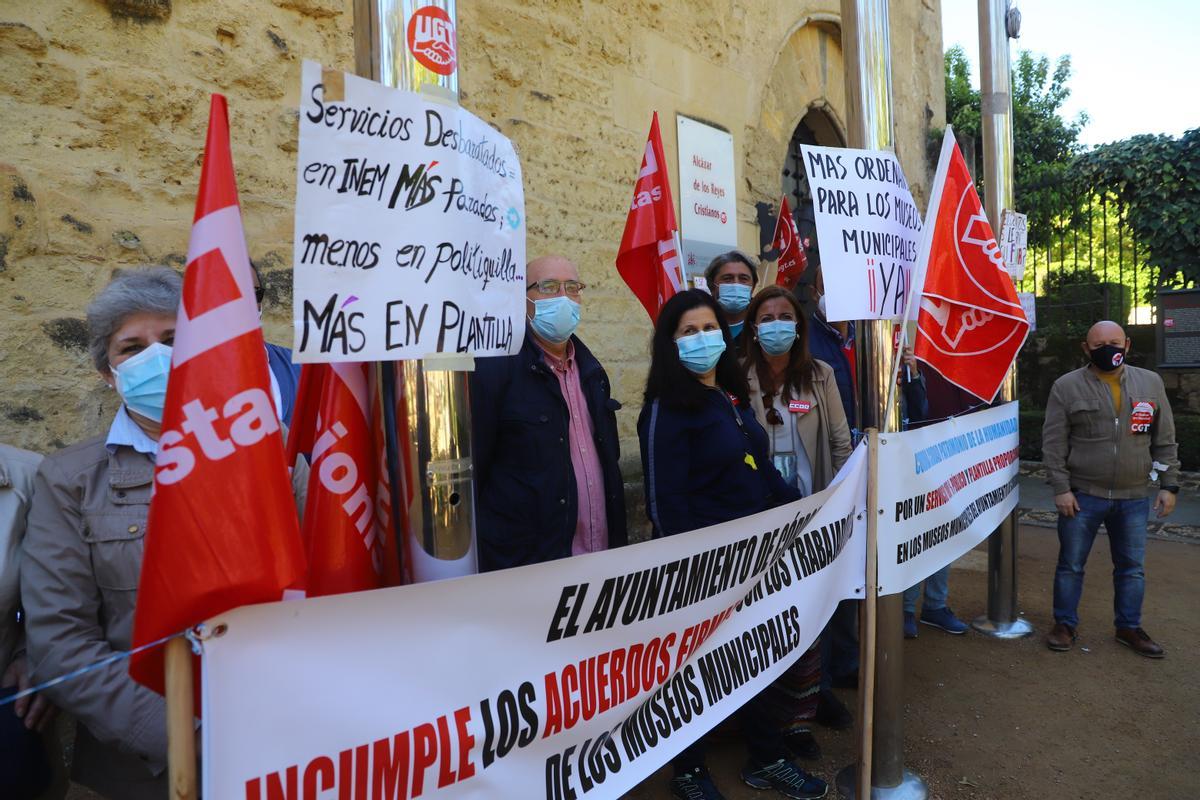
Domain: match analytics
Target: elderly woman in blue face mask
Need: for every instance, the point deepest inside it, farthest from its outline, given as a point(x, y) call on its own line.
point(83, 547)
point(706, 460)
point(731, 278)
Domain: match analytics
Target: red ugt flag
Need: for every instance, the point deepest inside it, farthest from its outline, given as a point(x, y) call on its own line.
point(792, 261)
point(970, 325)
point(347, 515)
point(648, 260)
point(222, 529)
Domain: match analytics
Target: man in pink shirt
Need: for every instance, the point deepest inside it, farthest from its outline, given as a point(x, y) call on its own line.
point(547, 457)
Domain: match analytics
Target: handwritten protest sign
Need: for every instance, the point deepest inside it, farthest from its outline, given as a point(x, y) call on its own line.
point(1029, 306)
point(1014, 233)
point(410, 227)
point(868, 230)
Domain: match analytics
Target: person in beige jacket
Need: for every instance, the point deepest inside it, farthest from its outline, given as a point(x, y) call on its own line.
point(83, 548)
point(795, 398)
point(1108, 433)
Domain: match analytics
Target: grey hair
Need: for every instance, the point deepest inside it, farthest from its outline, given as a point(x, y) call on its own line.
point(155, 290)
point(732, 257)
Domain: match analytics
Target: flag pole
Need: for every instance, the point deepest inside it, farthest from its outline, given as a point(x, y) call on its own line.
point(866, 691)
point(181, 725)
point(921, 265)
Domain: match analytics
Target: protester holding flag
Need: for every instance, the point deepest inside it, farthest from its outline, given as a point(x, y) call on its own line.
point(547, 454)
point(795, 398)
point(706, 460)
point(731, 278)
point(83, 548)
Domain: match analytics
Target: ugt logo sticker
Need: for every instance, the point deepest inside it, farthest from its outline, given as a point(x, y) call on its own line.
point(432, 40)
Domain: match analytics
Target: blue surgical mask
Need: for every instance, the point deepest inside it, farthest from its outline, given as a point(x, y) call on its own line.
point(733, 297)
point(735, 329)
point(776, 336)
point(555, 318)
point(141, 380)
point(700, 352)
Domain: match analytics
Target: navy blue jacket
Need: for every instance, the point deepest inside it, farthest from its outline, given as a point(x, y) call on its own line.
point(825, 343)
point(287, 375)
point(695, 466)
point(526, 499)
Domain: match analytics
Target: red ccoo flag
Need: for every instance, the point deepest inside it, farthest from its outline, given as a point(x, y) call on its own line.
point(222, 529)
point(970, 325)
point(792, 261)
point(347, 514)
point(648, 259)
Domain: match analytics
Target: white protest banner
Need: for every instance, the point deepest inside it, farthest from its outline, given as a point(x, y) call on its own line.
point(707, 193)
point(410, 227)
point(1029, 306)
point(1014, 234)
point(943, 490)
point(868, 230)
point(573, 678)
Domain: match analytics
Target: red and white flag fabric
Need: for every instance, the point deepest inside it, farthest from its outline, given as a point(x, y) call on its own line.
point(222, 529)
point(970, 325)
point(347, 514)
point(792, 261)
point(648, 259)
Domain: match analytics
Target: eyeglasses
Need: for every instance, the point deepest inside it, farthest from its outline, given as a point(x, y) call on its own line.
point(259, 294)
point(773, 416)
point(552, 286)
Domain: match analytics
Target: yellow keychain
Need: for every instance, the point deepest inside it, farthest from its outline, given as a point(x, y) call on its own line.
point(750, 460)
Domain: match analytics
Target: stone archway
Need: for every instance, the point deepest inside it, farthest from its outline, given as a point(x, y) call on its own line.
point(804, 96)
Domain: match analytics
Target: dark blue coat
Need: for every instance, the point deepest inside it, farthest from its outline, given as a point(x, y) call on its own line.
point(695, 467)
point(526, 500)
point(825, 343)
point(287, 375)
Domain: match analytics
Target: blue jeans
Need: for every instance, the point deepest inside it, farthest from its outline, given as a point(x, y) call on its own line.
point(1125, 521)
point(937, 588)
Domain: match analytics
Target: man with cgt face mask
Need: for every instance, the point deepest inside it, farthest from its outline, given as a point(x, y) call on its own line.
point(1108, 431)
point(547, 475)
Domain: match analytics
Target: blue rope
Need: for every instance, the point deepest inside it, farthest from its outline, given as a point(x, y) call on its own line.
point(104, 662)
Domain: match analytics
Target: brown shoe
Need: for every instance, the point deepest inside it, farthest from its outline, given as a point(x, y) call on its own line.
point(1060, 637)
point(1139, 642)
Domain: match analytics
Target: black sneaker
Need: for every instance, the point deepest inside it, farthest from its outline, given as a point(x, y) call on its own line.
point(803, 744)
point(695, 784)
point(832, 712)
point(785, 778)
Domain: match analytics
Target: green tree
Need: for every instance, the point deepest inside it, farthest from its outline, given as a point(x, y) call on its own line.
point(1044, 143)
point(1157, 178)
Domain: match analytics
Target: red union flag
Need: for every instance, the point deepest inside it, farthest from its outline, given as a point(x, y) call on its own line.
point(348, 511)
point(792, 261)
point(970, 325)
point(222, 529)
point(648, 259)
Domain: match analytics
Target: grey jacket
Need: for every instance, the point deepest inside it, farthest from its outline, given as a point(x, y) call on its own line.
point(1088, 446)
point(17, 468)
point(79, 579)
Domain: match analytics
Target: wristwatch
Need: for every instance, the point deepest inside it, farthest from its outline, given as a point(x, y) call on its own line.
point(1171, 489)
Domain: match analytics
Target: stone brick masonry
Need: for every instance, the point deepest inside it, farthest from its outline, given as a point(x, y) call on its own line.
point(106, 103)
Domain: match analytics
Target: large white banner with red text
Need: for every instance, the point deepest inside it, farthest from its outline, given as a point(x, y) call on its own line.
point(574, 678)
point(943, 490)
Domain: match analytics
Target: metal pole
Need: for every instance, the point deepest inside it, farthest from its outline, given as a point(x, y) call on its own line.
point(867, 56)
point(428, 418)
point(1001, 620)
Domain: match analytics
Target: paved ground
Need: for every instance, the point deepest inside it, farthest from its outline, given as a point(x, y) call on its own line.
point(991, 720)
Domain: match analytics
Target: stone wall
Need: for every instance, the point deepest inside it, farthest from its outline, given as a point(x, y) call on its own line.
point(106, 106)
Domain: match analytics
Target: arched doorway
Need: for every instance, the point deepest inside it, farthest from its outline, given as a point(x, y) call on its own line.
point(815, 127)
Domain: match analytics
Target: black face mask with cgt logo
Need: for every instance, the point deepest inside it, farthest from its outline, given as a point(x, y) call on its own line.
point(1107, 357)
